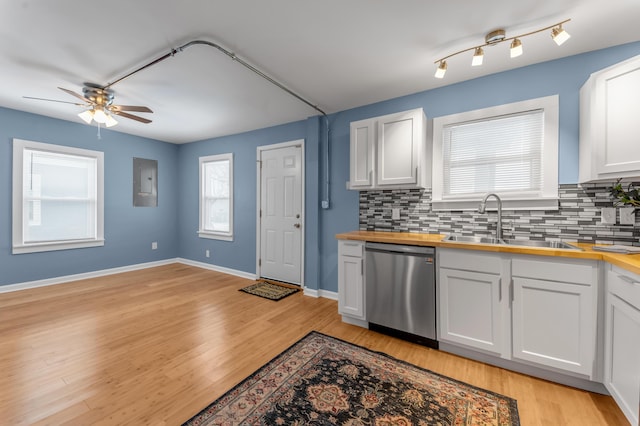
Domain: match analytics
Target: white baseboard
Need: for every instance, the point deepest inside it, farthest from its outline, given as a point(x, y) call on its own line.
point(217, 268)
point(321, 293)
point(76, 277)
point(94, 274)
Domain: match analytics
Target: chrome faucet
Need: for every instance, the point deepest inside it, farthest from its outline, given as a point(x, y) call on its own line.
point(483, 206)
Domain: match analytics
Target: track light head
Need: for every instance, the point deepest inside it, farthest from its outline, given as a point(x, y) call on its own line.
point(559, 35)
point(516, 48)
point(442, 69)
point(478, 56)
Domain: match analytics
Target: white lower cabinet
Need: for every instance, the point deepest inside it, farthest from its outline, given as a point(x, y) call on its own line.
point(554, 313)
point(470, 297)
point(533, 310)
point(351, 291)
point(622, 341)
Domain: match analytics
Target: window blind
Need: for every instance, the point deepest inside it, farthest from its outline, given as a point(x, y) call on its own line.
point(499, 154)
point(59, 197)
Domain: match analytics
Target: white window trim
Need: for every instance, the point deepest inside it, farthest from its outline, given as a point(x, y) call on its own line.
point(202, 233)
point(546, 199)
point(18, 244)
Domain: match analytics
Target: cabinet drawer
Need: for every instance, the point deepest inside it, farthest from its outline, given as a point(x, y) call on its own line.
point(548, 269)
point(351, 248)
point(469, 260)
point(625, 286)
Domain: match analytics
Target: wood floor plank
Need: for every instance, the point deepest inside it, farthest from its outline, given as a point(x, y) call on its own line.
point(155, 346)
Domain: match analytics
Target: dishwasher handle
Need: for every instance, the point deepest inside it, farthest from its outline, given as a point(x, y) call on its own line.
point(396, 248)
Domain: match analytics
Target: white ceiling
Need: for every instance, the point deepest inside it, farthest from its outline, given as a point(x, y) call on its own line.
point(337, 54)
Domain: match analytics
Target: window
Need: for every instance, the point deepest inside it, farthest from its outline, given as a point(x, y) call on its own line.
point(216, 197)
point(57, 197)
point(511, 150)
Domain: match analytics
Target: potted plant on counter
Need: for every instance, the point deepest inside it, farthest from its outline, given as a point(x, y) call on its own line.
point(628, 198)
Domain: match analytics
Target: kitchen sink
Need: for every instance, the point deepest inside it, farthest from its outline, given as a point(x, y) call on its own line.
point(526, 243)
point(543, 244)
point(473, 239)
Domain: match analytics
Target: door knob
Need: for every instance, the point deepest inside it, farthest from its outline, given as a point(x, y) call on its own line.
point(296, 225)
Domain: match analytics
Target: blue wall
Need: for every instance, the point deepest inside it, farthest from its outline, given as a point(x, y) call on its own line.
point(129, 231)
point(564, 77)
point(240, 254)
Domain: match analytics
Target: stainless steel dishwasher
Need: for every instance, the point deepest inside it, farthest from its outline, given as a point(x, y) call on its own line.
point(400, 288)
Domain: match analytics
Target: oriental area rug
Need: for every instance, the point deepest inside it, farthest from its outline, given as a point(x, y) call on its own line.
point(322, 380)
point(271, 291)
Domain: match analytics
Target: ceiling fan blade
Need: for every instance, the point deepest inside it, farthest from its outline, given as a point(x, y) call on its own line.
point(129, 108)
point(131, 116)
point(53, 100)
point(72, 93)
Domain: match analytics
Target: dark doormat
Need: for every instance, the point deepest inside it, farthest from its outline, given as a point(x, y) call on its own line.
point(270, 290)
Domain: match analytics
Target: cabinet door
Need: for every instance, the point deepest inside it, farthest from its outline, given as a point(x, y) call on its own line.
point(470, 309)
point(553, 324)
point(622, 342)
point(362, 153)
point(350, 287)
point(400, 140)
point(616, 108)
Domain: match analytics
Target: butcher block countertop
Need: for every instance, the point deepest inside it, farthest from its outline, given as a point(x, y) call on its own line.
point(630, 262)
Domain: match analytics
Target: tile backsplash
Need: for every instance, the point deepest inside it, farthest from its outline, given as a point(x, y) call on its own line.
point(577, 218)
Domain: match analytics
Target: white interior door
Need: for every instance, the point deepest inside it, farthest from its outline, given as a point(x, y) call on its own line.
point(281, 211)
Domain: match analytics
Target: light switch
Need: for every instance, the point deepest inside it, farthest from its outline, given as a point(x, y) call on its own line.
point(395, 213)
point(608, 216)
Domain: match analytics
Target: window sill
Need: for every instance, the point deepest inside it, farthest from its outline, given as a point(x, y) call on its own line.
point(215, 236)
point(53, 246)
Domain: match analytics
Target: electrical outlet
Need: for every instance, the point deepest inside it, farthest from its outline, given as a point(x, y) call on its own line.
point(627, 216)
point(395, 213)
point(206, 253)
point(608, 216)
point(154, 245)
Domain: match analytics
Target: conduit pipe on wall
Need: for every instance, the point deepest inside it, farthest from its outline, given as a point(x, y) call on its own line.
point(234, 57)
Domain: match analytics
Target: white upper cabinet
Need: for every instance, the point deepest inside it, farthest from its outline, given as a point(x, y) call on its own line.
point(362, 151)
point(389, 152)
point(610, 124)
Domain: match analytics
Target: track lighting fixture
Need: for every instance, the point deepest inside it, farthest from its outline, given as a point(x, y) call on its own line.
point(498, 36)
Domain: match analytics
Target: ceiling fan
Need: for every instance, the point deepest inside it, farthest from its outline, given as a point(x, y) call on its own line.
point(99, 103)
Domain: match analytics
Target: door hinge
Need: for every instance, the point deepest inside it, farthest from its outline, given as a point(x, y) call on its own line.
point(259, 262)
point(260, 212)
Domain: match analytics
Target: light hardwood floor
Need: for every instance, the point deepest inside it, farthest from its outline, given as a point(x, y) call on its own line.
point(156, 346)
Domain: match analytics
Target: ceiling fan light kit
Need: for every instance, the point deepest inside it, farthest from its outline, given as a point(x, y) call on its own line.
point(558, 34)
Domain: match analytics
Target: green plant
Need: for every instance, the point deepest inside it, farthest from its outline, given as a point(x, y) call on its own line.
point(628, 197)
